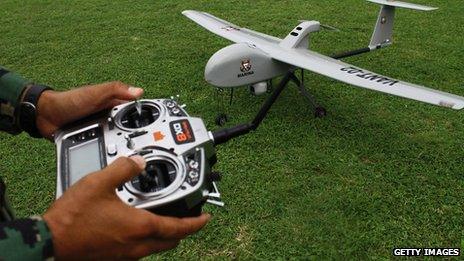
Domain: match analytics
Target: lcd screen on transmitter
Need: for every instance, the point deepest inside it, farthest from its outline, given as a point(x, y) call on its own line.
point(84, 159)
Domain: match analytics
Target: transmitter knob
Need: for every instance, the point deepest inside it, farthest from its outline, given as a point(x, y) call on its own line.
point(194, 164)
point(130, 143)
point(110, 123)
point(193, 174)
point(112, 149)
point(176, 111)
point(170, 104)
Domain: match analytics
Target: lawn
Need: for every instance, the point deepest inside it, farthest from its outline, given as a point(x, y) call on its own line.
point(378, 172)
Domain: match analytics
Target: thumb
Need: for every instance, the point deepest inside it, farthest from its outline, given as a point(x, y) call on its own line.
point(121, 91)
point(116, 91)
point(122, 170)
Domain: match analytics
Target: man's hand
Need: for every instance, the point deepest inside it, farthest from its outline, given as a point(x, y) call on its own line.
point(55, 109)
point(90, 221)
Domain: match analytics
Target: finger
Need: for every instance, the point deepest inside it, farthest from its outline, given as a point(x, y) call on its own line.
point(84, 101)
point(149, 246)
point(122, 170)
point(178, 228)
point(106, 93)
point(115, 90)
point(100, 97)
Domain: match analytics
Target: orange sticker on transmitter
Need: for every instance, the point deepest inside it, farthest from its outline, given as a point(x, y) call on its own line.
point(158, 136)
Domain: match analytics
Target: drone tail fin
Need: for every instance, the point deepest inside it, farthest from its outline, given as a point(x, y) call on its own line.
point(383, 31)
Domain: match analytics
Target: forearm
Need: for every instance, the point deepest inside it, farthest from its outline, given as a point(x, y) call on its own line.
point(25, 239)
point(12, 86)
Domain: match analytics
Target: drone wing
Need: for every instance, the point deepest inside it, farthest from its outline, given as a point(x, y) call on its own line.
point(228, 30)
point(350, 74)
point(303, 58)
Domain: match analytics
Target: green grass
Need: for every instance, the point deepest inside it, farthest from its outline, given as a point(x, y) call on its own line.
point(379, 172)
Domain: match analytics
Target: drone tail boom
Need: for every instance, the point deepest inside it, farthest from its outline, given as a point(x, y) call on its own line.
point(383, 31)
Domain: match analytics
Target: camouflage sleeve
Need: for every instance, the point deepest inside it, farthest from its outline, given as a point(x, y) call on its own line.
point(25, 239)
point(12, 86)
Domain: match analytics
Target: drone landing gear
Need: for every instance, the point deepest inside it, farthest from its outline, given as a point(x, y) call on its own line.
point(224, 135)
point(319, 111)
point(222, 118)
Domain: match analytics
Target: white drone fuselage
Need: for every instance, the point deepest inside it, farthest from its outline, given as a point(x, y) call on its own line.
point(242, 64)
point(245, 64)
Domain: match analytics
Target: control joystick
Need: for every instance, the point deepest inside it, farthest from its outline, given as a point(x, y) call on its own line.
point(138, 115)
point(155, 177)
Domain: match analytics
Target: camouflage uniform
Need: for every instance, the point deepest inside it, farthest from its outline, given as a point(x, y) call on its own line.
point(26, 238)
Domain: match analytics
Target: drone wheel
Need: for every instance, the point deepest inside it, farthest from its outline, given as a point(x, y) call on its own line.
point(320, 112)
point(221, 119)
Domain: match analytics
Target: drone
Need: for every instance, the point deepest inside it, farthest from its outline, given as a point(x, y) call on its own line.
point(256, 58)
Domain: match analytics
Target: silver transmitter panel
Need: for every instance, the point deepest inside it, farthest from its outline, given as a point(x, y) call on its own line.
point(178, 149)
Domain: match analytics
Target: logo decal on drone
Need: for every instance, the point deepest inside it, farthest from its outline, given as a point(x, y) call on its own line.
point(245, 67)
point(447, 104)
point(230, 28)
point(370, 76)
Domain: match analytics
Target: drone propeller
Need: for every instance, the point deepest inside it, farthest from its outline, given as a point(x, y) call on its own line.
point(324, 26)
